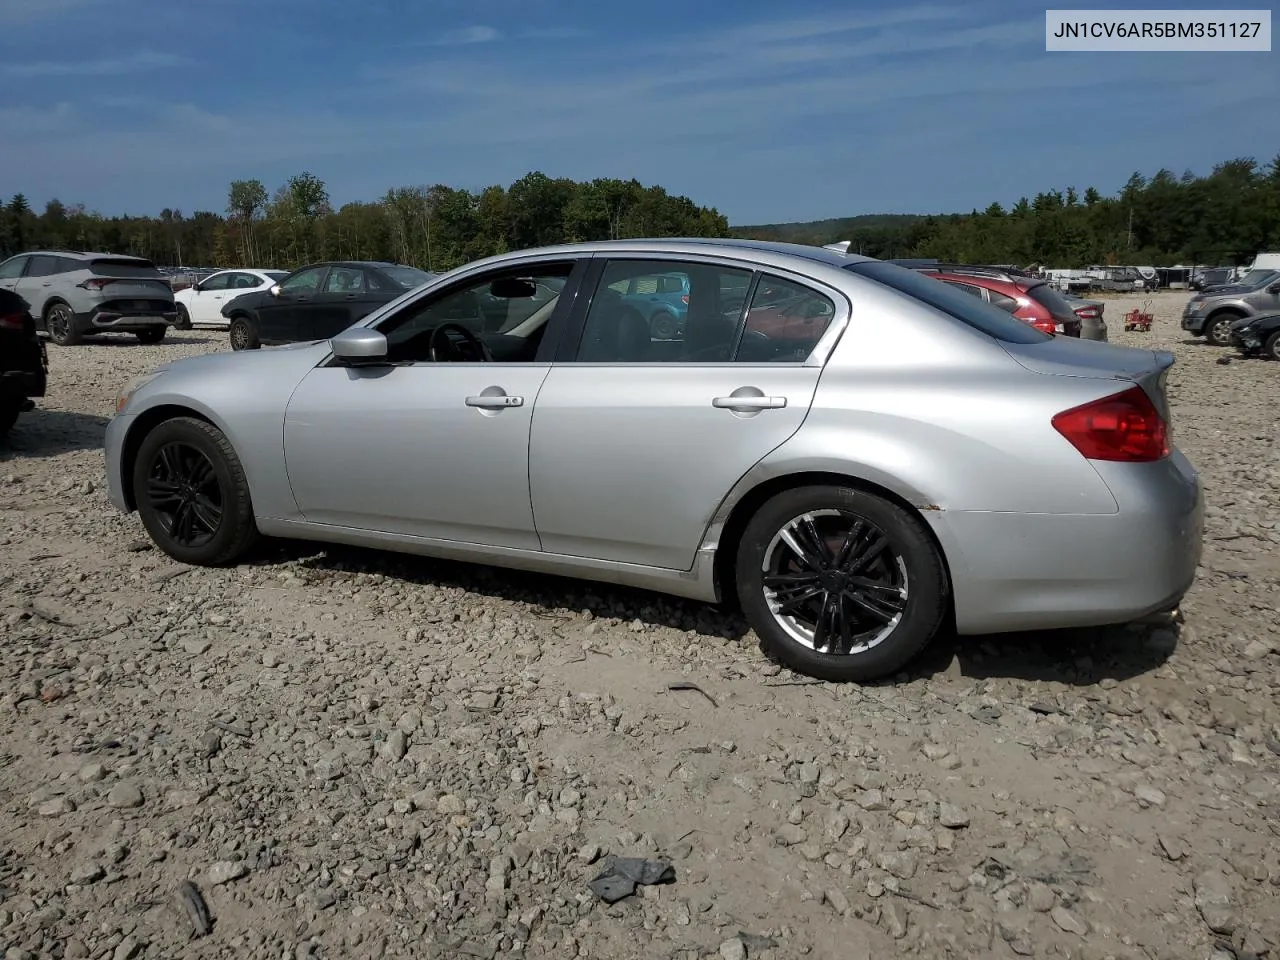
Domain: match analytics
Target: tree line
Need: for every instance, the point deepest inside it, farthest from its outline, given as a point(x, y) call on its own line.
point(435, 228)
point(1225, 217)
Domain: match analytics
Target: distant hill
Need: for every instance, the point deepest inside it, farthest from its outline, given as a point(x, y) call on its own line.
point(826, 231)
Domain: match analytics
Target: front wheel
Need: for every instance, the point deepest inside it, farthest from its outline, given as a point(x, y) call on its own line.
point(184, 319)
point(241, 334)
point(1273, 346)
point(840, 584)
point(1218, 331)
point(192, 493)
point(61, 324)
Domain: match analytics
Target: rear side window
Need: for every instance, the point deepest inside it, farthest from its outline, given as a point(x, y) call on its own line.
point(1052, 301)
point(969, 310)
point(125, 267)
point(44, 266)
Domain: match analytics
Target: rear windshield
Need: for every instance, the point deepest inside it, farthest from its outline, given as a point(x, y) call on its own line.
point(978, 314)
point(125, 267)
point(408, 277)
point(275, 274)
point(1052, 301)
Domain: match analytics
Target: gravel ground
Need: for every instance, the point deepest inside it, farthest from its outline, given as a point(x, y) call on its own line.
point(360, 755)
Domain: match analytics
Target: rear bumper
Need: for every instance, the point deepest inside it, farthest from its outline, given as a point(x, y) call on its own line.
point(1015, 571)
point(113, 448)
point(109, 321)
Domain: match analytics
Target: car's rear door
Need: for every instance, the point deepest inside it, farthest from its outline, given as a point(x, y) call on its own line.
point(636, 441)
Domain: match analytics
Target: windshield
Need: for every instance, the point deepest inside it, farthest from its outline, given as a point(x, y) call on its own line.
point(408, 277)
point(1258, 278)
point(976, 313)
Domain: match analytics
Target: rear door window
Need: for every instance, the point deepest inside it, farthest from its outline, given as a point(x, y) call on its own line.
point(975, 313)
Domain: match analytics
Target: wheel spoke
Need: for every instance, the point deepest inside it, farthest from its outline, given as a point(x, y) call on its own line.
point(783, 581)
point(801, 535)
point(844, 627)
point(795, 599)
point(822, 629)
point(867, 555)
point(200, 471)
point(881, 609)
point(848, 547)
point(171, 462)
point(162, 492)
point(207, 513)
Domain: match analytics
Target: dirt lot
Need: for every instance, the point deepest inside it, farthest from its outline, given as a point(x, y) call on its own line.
point(358, 755)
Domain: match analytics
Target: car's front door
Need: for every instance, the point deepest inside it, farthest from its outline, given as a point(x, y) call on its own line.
point(336, 306)
point(278, 317)
point(423, 447)
point(636, 440)
point(1266, 299)
point(205, 302)
point(11, 271)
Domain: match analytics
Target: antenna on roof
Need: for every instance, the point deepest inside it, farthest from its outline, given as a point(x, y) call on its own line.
point(841, 247)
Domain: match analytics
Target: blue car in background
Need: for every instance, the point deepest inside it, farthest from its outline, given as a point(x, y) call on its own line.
point(661, 298)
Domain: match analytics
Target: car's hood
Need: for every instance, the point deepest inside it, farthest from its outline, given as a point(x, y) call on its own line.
point(246, 358)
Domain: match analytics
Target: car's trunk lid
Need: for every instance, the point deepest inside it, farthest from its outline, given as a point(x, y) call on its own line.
point(127, 278)
point(1069, 357)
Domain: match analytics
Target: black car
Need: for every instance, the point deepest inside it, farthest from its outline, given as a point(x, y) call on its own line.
point(1258, 336)
point(24, 365)
point(317, 301)
point(1213, 277)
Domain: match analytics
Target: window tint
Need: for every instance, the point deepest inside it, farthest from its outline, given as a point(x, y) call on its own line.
point(1000, 300)
point(304, 281)
point(1052, 301)
point(244, 281)
point(511, 326)
point(220, 282)
point(784, 323)
point(132, 267)
point(344, 280)
point(621, 328)
point(44, 266)
point(12, 269)
point(983, 317)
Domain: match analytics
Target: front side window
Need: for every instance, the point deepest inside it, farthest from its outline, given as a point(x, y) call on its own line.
point(304, 281)
point(12, 269)
point(506, 311)
point(344, 280)
point(631, 321)
point(220, 282)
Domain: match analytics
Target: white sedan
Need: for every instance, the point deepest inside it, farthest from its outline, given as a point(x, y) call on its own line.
point(202, 303)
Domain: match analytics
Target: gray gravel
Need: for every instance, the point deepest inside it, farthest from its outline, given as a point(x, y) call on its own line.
point(360, 755)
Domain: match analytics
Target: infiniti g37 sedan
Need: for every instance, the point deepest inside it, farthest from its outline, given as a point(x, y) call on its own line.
point(906, 457)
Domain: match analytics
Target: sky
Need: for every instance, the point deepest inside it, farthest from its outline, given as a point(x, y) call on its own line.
point(767, 111)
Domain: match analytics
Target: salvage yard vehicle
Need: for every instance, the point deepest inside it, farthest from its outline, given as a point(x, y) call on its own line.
point(73, 294)
point(1258, 336)
point(24, 363)
point(1210, 314)
point(202, 301)
point(915, 457)
point(1030, 299)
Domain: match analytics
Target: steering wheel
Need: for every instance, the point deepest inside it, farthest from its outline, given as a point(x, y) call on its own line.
point(438, 353)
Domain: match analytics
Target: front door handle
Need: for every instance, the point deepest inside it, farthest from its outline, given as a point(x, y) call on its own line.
point(500, 402)
point(749, 403)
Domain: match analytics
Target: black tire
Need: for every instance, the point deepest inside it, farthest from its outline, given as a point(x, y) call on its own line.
point(60, 322)
point(1272, 346)
point(908, 562)
point(154, 335)
point(1218, 329)
point(189, 461)
point(10, 407)
point(662, 326)
point(242, 335)
point(184, 319)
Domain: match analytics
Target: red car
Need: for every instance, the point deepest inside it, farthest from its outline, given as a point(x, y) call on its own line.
point(1029, 299)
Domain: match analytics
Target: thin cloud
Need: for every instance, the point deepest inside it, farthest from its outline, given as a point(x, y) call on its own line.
point(469, 35)
point(139, 62)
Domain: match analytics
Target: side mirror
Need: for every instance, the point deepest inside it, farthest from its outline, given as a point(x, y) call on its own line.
point(359, 347)
point(275, 290)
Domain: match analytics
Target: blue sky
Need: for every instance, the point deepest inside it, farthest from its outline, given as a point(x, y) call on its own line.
point(769, 111)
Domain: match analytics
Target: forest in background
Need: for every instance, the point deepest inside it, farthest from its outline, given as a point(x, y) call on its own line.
point(1224, 217)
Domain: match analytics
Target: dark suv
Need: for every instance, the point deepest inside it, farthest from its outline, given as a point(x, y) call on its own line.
point(23, 363)
point(1029, 299)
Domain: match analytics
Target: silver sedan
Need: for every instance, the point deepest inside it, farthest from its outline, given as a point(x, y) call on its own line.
point(856, 454)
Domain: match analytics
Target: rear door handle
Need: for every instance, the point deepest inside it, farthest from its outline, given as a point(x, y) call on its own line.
point(749, 403)
point(500, 402)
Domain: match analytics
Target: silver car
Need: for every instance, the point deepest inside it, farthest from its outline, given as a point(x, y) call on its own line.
point(72, 294)
point(856, 453)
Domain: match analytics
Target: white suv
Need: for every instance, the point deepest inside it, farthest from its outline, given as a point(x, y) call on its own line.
point(72, 294)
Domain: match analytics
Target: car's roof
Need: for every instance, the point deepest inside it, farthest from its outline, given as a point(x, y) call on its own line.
point(80, 254)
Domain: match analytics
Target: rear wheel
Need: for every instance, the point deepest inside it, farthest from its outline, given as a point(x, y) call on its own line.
point(1218, 332)
point(61, 324)
point(192, 493)
point(154, 335)
point(184, 318)
point(242, 335)
point(840, 584)
point(663, 325)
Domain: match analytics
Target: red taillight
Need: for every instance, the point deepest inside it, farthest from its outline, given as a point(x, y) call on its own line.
point(1125, 426)
point(13, 321)
point(1087, 313)
point(685, 299)
point(1044, 326)
point(95, 283)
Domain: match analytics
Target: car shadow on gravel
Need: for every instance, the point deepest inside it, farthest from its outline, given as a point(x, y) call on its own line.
point(519, 586)
point(47, 433)
point(123, 340)
point(1077, 657)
